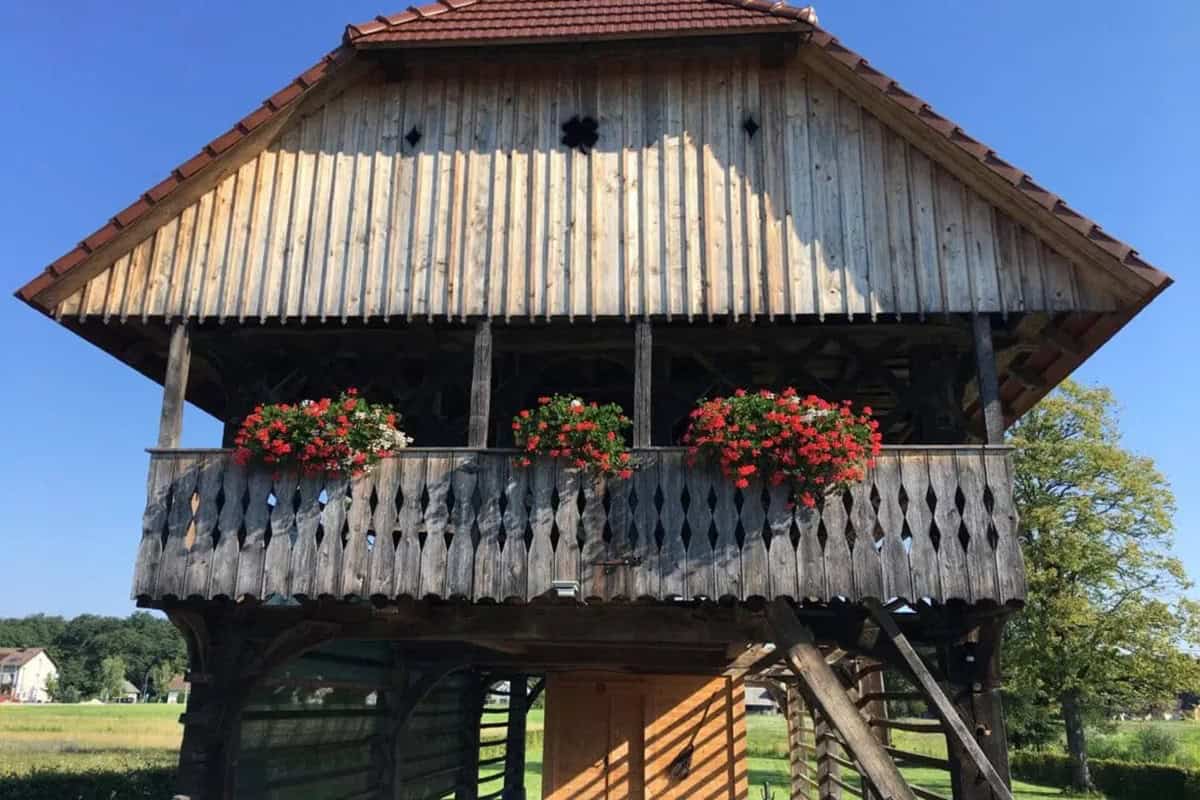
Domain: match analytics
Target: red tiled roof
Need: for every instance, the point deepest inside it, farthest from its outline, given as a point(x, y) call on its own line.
point(458, 21)
point(455, 21)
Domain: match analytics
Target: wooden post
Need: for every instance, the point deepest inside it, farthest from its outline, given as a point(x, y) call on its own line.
point(800, 744)
point(468, 773)
point(989, 384)
point(829, 695)
point(514, 749)
point(963, 745)
point(872, 684)
point(179, 356)
point(642, 366)
point(972, 669)
point(827, 769)
point(481, 386)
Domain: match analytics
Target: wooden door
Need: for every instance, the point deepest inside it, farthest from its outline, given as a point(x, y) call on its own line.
point(614, 737)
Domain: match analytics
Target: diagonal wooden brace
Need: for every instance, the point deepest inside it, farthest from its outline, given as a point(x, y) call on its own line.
point(805, 659)
point(953, 723)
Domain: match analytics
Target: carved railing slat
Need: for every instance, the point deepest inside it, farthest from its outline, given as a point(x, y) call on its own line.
point(541, 521)
point(489, 584)
point(781, 554)
point(700, 581)
point(437, 517)
point(253, 554)
point(517, 556)
point(383, 560)
point(229, 523)
point(460, 558)
point(755, 572)
point(407, 564)
point(279, 548)
point(897, 576)
point(566, 518)
point(470, 524)
point(172, 565)
point(303, 568)
point(200, 555)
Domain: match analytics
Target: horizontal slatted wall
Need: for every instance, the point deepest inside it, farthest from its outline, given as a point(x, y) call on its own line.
point(935, 522)
point(451, 195)
point(315, 727)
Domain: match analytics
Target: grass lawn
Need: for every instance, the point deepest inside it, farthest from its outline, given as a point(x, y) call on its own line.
point(123, 738)
point(81, 738)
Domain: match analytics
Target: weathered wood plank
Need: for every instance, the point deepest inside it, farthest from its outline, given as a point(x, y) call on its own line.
point(672, 555)
point(541, 521)
point(517, 558)
point(253, 553)
point(489, 567)
point(382, 578)
point(755, 569)
point(283, 526)
point(460, 558)
point(781, 553)
point(566, 518)
point(437, 517)
point(410, 521)
point(227, 555)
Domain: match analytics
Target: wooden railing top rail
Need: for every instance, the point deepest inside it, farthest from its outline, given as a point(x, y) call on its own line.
point(929, 522)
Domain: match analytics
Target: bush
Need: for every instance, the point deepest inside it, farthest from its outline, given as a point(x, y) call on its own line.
point(1153, 744)
point(144, 784)
point(1117, 779)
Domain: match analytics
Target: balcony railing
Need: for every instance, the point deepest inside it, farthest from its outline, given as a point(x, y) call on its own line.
point(932, 523)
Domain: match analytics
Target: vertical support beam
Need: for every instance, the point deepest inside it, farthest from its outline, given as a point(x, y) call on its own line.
point(871, 684)
point(212, 721)
point(827, 768)
point(179, 356)
point(468, 773)
point(989, 383)
point(800, 744)
point(972, 668)
point(642, 372)
point(514, 749)
point(481, 386)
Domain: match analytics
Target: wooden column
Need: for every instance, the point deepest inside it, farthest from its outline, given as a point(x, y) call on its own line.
point(642, 366)
point(468, 773)
point(212, 720)
point(800, 745)
point(828, 770)
point(481, 386)
point(989, 383)
point(514, 749)
point(179, 356)
point(972, 668)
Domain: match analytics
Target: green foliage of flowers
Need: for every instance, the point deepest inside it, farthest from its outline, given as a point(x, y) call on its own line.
point(346, 435)
point(587, 435)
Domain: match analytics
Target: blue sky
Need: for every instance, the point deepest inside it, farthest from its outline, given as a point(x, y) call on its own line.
point(1097, 99)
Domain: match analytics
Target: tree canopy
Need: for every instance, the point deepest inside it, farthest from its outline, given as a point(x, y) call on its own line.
point(79, 647)
point(1106, 626)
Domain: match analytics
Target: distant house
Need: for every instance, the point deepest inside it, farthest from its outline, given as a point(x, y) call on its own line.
point(128, 694)
point(25, 672)
point(177, 690)
point(758, 701)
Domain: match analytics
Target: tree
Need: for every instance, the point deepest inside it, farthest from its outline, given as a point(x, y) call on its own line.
point(160, 676)
point(111, 677)
point(1106, 625)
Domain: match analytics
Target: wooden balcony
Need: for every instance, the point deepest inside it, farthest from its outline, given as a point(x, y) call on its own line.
point(929, 523)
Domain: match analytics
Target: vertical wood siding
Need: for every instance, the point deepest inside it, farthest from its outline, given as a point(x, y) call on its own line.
point(678, 212)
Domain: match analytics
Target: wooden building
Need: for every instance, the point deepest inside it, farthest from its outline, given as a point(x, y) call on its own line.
point(476, 202)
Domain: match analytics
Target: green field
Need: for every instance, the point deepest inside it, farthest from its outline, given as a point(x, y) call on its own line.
point(124, 738)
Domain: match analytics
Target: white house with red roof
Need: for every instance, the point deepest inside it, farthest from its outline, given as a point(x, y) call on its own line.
point(25, 674)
